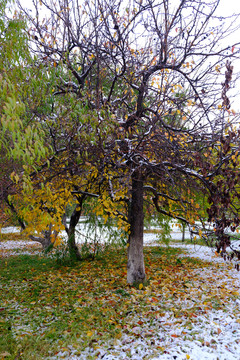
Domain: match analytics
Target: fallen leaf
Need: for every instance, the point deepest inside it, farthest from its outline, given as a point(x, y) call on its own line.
point(90, 333)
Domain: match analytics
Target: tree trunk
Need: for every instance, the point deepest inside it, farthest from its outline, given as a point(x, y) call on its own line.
point(72, 246)
point(47, 239)
point(183, 231)
point(135, 267)
point(12, 207)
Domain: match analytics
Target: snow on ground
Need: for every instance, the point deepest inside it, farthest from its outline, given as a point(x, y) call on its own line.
point(23, 247)
point(212, 335)
point(9, 230)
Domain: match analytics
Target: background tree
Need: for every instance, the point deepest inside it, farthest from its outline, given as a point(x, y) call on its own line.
point(140, 94)
point(24, 100)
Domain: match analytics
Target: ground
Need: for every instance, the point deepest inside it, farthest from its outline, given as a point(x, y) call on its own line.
point(188, 310)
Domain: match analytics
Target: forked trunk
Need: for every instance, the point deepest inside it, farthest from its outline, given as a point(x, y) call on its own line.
point(47, 239)
point(135, 267)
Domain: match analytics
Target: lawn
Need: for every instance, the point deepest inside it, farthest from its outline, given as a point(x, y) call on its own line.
point(49, 310)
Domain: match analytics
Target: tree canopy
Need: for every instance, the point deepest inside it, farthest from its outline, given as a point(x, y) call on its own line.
point(135, 111)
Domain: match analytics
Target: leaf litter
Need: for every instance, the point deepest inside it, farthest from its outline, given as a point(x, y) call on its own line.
point(188, 310)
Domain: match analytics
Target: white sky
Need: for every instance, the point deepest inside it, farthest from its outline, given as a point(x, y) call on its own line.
point(228, 8)
point(225, 8)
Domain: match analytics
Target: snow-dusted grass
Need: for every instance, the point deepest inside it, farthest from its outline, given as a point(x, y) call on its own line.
point(16, 247)
point(9, 230)
point(211, 334)
point(192, 314)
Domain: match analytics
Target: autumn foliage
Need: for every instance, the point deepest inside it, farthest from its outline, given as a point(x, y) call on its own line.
point(134, 113)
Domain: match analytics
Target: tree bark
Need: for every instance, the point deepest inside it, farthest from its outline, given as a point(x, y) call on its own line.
point(183, 231)
point(72, 246)
point(13, 209)
point(46, 240)
point(135, 268)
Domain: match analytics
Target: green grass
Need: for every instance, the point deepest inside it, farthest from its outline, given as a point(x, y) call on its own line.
point(46, 308)
point(198, 241)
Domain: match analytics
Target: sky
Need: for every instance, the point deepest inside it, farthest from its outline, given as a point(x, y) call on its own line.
point(225, 8)
point(228, 8)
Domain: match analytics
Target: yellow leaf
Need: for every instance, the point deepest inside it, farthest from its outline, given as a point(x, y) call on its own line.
point(187, 356)
point(118, 335)
point(140, 286)
point(161, 348)
point(90, 333)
